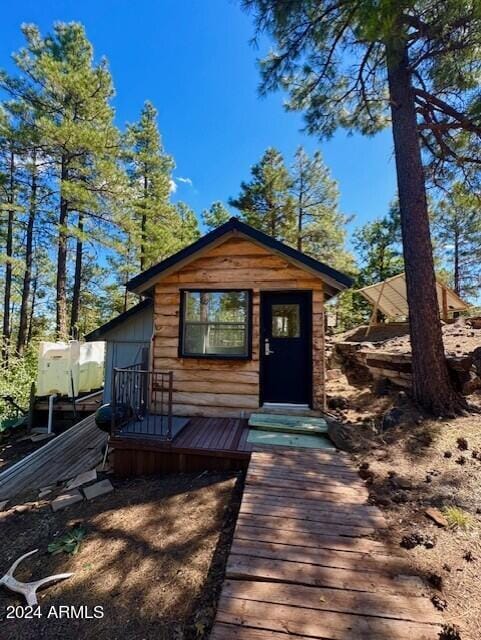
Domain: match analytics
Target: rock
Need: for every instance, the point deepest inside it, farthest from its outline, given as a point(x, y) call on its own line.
point(333, 374)
point(391, 418)
point(475, 322)
point(460, 363)
point(45, 492)
point(337, 402)
point(436, 581)
point(450, 632)
point(417, 539)
point(41, 436)
point(476, 356)
point(471, 384)
point(399, 497)
point(82, 478)
point(66, 499)
point(439, 603)
point(3, 504)
point(401, 482)
point(436, 516)
point(98, 489)
point(365, 474)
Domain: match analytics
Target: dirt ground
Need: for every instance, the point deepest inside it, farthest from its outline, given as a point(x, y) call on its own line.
point(14, 447)
point(153, 557)
point(461, 337)
point(415, 465)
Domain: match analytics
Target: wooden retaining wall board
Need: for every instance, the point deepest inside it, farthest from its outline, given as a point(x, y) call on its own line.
point(301, 564)
point(229, 388)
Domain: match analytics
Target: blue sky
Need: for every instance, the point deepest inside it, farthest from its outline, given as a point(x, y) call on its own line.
point(193, 59)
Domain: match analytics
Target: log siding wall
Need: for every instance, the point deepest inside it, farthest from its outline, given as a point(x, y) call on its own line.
point(229, 388)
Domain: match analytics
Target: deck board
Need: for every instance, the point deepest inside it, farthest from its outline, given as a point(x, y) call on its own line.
point(301, 563)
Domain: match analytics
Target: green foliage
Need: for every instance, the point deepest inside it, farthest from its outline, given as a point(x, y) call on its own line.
point(457, 230)
point(332, 58)
point(87, 190)
point(216, 215)
point(266, 202)
point(297, 205)
point(378, 246)
point(320, 227)
point(68, 543)
point(16, 380)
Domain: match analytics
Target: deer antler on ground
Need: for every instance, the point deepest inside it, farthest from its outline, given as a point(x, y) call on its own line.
point(28, 589)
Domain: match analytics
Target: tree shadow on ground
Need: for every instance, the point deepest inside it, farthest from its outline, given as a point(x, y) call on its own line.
point(153, 558)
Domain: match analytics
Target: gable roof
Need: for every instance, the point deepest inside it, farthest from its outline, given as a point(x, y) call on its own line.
point(234, 227)
point(122, 317)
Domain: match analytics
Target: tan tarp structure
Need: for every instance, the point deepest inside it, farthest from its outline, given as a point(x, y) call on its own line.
point(389, 297)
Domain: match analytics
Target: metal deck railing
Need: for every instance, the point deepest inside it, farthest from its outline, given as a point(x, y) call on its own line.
point(142, 402)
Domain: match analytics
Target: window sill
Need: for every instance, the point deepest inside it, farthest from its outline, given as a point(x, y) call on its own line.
point(212, 356)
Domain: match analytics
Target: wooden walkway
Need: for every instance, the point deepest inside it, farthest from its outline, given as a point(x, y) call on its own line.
point(77, 449)
point(302, 564)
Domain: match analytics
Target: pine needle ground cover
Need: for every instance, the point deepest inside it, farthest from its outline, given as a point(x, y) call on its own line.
point(151, 553)
point(419, 466)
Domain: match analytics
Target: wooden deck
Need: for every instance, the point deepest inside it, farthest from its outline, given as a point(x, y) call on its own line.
point(203, 444)
point(302, 563)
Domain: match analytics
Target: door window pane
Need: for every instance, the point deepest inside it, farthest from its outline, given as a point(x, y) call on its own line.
point(216, 323)
point(285, 321)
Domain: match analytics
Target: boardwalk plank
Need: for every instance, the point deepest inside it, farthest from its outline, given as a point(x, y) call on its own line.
point(301, 565)
point(383, 605)
point(251, 567)
point(309, 539)
point(315, 515)
point(302, 526)
point(323, 557)
point(329, 625)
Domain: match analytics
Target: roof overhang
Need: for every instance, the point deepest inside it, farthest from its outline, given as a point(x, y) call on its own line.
point(100, 332)
point(335, 280)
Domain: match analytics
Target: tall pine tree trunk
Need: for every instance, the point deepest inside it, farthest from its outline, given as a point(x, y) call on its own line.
point(143, 227)
point(32, 309)
point(432, 388)
point(457, 283)
point(77, 285)
point(6, 329)
point(27, 276)
point(61, 293)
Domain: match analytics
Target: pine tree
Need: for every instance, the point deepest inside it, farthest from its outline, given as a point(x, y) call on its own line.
point(216, 215)
point(320, 228)
point(415, 65)
point(150, 172)
point(188, 226)
point(378, 247)
point(71, 97)
point(266, 202)
point(457, 228)
point(9, 207)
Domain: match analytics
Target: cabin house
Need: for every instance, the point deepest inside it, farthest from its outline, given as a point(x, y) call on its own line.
point(238, 325)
